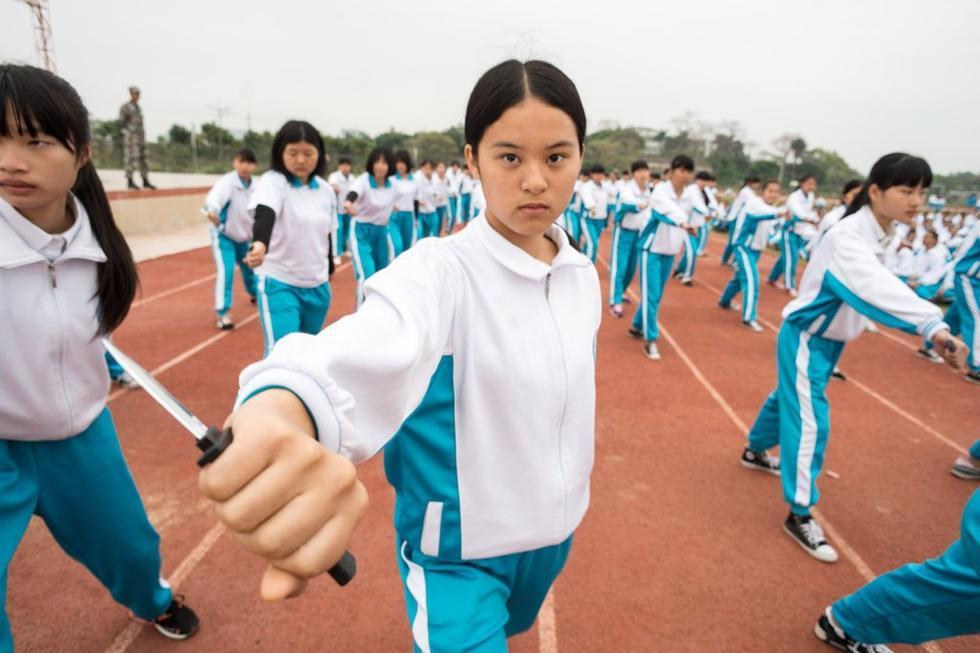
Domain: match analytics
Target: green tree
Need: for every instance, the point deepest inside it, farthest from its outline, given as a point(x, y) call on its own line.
point(765, 169)
point(106, 129)
point(459, 138)
point(614, 148)
point(212, 134)
point(728, 159)
point(179, 134)
point(436, 146)
point(392, 139)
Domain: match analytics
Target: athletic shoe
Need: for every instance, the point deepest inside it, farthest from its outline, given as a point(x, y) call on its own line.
point(973, 377)
point(792, 292)
point(837, 374)
point(830, 634)
point(776, 284)
point(178, 622)
point(636, 333)
point(752, 324)
point(930, 356)
point(224, 323)
point(650, 349)
point(252, 301)
point(966, 468)
point(126, 380)
point(616, 310)
point(687, 281)
point(761, 461)
point(806, 532)
point(337, 260)
point(730, 307)
point(871, 327)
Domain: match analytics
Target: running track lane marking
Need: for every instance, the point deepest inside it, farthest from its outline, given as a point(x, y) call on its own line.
point(128, 635)
point(547, 630)
point(852, 555)
point(871, 393)
point(172, 291)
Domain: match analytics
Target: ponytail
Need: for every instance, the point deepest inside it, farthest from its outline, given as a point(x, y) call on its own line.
point(117, 278)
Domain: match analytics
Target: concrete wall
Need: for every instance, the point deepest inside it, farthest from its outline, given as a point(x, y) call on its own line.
point(154, 212)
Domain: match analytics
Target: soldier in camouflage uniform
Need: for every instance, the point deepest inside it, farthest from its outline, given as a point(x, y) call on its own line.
point(134, 140)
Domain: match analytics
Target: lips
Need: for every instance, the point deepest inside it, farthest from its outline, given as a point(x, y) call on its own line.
point(533, 206)
point(14, 187)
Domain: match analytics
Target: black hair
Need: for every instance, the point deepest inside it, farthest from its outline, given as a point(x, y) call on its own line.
point(751, 179)
point(802, 179)
point(455, 162)
point(767, 182)
point(655, 175)
point(508, 84)
point(425, 162)
point(639, 165)
point(624, 173)
point(39, 101)
point(682, 162)
point(703, 175)
point(851, 185)
point(380, 152)
point(895, 169)
point(402, 156)
point(597, 169)
point(247, 155)
point(342, 160)
point(297, 131)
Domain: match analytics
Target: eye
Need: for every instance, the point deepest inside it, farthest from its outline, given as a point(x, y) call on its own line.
point(37, 142)
point(556, 159)
point(510, 158)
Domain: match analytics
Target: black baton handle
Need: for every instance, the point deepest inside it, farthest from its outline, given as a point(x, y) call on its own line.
point(213, 445)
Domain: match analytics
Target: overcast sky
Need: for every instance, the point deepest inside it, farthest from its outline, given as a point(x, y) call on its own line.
point(863, 77)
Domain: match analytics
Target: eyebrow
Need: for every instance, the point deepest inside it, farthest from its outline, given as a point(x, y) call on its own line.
point(508, 144)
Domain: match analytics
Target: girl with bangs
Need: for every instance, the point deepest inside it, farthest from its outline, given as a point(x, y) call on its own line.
point(844, 285)
point(67, 279)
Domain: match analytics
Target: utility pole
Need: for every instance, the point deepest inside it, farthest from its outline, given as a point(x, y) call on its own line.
point(42, 32)
point(221, 110)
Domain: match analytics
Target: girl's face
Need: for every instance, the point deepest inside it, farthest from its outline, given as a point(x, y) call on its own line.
point(641, 177)
point(427, 170)
point(300, 159)
point(899, 203)
point(441, 169)
point(770, 193)
point(527, 162)
point(402, 168)
point(36, 171)
point(380, 168)
point(851, 194)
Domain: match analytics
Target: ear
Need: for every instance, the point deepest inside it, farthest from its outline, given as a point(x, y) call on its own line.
point(471, 161)
point(874, 193)
point(84, 156)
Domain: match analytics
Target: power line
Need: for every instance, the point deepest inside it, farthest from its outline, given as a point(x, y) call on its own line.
point(42, 33)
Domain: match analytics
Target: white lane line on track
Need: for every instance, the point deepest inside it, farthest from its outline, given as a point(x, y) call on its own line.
point(547, 629)
point(849, 552)
point(172, 291)
point(868, 391)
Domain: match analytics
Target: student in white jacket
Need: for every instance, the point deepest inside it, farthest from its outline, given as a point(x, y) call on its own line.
point(631, 216)
point(749, 188)
point(485, 408)
point(67, 279)
point(596, 200)
point(341, 181)
point(660, 241)
point(802, 218)
point(226, 206)
point(698, 201)
point(844, 284)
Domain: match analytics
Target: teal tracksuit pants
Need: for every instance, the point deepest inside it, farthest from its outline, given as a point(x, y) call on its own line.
point(371, 250)
point(285, 309)
point(592, 232)
point(82, 489)
point(796, 416)
point(227, 254)
point(654, 274)
point(401, 225)
point(789, 256)
point(475, 605)
point(622, 264)
point(746, 281)
point(919, 602)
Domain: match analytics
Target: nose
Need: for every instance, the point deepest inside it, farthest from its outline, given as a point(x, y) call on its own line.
point(534, 181)
point(10, 159)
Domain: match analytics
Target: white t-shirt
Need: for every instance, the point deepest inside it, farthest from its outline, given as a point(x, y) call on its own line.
point(229, 199)
point(426, 192)
point(373, 204)
point(406, 192)
point(306, 214)
point(343, 184)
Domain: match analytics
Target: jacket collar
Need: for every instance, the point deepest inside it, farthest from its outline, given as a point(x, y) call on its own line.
point(520, 262)
point(871, 230)
point(21, 241)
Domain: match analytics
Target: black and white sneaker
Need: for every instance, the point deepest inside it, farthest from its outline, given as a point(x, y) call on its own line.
point(178, 622)
point(972, 377)
point(761, 461)
point(830, 634)
point(730, 307)
point(837, 374)
point(967, 468)
point(636, 333)
point(752, 324)
point(224, 323)
point(806, 532)
point(126, 380)
point(930, 356)
point(651, 351)
point(687, 281)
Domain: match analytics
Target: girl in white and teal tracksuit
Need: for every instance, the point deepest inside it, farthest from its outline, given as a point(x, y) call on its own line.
point(67, 279)
point(428, 217)
point(751, 233)
point(402, 224)
point(844, 283)
point(748, 189)
point(631, 216)
point(966, 289)
point(595, 204)
point(294, 219)
point(340, 180)
point(371, 200)
point(485, 409)
point(228, 200)
point(697, 199)
point(801, 214)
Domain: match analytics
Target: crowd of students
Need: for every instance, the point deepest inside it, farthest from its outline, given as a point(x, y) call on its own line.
point(461, 346)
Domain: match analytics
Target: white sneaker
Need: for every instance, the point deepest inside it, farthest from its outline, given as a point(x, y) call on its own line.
point(793, 293)
point(125, 380)
point(224, 323)
point(687, 281)
point(755, 326)
point(930, 355)
point(651, 351)
point(805, 531)
point(616, 310)
point(871, 327)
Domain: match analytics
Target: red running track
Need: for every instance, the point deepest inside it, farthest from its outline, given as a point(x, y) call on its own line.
point(681, 550)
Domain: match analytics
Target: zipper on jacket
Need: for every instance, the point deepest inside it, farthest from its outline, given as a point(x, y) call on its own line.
point(564, 403)
point(61, 345)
